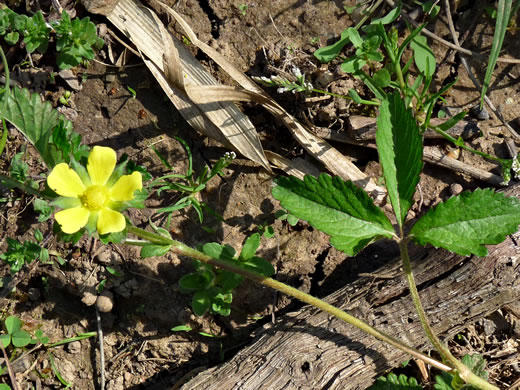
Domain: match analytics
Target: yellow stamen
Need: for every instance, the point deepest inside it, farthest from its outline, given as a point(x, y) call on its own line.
point(95, 197)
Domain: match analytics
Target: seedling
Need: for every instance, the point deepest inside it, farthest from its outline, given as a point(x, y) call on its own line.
point(243, 9)
point(212, 287)
point(76, 39)
point(189, 184)
point(14, 335)
point(64, 99)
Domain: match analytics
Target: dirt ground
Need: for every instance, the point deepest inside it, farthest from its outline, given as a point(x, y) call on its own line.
point(141, 351)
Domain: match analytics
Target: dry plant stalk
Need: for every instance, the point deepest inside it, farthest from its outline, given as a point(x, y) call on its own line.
point(209, 107)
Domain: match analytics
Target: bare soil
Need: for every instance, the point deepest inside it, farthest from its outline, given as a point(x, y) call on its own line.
point(141, 351)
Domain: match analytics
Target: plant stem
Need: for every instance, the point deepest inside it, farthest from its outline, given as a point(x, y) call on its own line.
point(464, 146)
point(182, 249)
point(11, 183)
point(463, 371)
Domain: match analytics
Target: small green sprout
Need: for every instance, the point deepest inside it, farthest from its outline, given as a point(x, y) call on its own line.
point(64, 99)
point(243, 9)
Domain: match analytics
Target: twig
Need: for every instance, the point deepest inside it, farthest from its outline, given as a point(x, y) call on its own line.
point(431, 155)
point(449, 44)
point(471, 75)
point(12, 376)
point(101, 350)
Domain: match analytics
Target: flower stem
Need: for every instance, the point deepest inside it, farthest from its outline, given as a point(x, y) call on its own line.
point(463, 371)
point(11, 183)
point(182, 249)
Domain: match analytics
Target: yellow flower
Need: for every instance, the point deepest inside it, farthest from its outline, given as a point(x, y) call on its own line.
point(92, 197)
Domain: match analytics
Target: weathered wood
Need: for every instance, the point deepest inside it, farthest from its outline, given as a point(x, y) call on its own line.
point(311, 350)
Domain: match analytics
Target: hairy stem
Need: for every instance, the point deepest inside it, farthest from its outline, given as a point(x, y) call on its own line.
point(11, 183)
point(182, 249)
point(464, 372)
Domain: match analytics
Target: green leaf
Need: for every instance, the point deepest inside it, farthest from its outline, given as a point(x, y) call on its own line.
point(250, 246)
point(354, 37)
point(12, 38)
point(217, 251)
point(381, 78)
point(338, 208)
point(196, 281)
point(21, 338)
point(5, 339)
point(43, 208)
point(154, 250)
point(501, 24)
point(466, 222)
point(328, 53)
point(423, 55)
point(260, 266)
point(394, 382)
point(445, 126)
point(399, 144)
point(200, 303)
point(34, 118)
point(389, 17)
point(353, 64)
point(443, 382)
point(181, 328)
point(12, 324)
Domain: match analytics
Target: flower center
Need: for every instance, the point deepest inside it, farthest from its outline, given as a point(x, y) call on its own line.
point(95, 197)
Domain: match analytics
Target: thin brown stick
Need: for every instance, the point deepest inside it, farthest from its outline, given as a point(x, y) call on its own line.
point(12, 376)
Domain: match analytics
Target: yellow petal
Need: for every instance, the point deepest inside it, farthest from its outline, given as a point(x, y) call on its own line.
point(110, 221)
point(125, 187)
point(65, 181)
point(101, 163)
point(71, 220)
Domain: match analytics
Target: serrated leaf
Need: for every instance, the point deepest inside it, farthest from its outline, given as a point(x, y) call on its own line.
point(443, 382)
point(465, 223)
point(34, 118)
point(399, 144)
point(394, 382)
point(338, 208)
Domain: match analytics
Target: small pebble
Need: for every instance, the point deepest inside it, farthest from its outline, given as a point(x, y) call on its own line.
point(455, 189)
point(89, 299)
point(481, 115)
point(74, 347)
point(105, 302)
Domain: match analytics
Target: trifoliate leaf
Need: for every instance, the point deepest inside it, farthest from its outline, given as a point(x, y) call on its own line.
point(465, 223)
point(338, 208)
point(399, 144)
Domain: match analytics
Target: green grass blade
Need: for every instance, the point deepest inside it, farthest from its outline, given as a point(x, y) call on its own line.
point(503, 16)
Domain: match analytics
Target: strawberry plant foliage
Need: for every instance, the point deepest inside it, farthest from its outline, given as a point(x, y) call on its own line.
point(464, 224)
point(336, 207)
